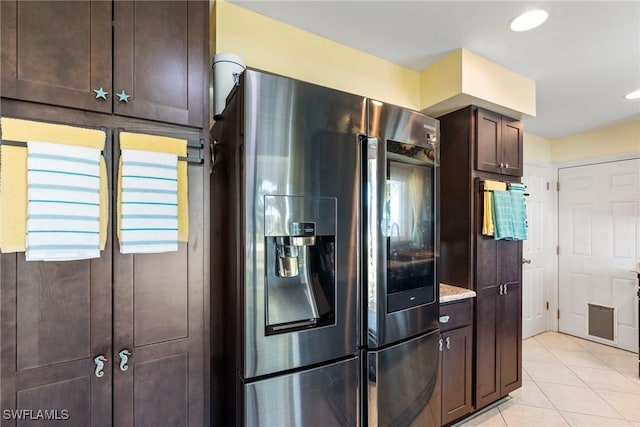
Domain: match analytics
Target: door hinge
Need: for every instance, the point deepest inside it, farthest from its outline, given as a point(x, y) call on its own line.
point(547, 305)
point(558, 186)
point(557, 250)
point(547, 185)
point(558, 313)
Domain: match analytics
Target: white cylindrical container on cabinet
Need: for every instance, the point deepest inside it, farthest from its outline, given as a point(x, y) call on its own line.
point(227, 68)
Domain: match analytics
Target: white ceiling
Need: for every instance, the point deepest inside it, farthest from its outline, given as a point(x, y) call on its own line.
point(584, 59)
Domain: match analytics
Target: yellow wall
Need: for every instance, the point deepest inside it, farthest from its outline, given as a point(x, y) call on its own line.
point(273, 46)
point(442, 80)
point(536, 148)
point(616, 139)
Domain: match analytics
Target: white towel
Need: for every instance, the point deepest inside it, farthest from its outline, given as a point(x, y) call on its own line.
point(149, 201)
point(63, 202)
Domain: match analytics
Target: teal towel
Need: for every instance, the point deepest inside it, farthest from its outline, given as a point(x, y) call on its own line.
point(510, 213)
point(502, 208)
point(518, 214)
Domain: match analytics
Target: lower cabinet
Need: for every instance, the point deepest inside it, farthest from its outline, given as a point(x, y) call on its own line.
point(499, 342)
point(456, 346)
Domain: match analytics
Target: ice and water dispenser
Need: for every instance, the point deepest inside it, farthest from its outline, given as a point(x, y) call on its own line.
point(300, 251)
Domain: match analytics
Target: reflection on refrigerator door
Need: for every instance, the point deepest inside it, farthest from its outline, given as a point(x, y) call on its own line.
point(403, 383)
point(320, 397)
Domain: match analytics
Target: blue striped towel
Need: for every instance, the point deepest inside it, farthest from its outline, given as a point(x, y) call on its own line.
point(519, 211)
point(149, 202)
point(63, 202)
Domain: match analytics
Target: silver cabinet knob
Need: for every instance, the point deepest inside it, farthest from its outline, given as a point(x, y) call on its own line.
point(101, 93)
point(440, 344)
point(501, 165)
point(448, 343)
point(122, 96)
point(506, 165)
point(124, 358)
point(99, 361)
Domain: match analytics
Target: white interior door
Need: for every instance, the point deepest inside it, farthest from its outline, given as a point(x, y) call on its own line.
point(599, 237)
point(537, 250)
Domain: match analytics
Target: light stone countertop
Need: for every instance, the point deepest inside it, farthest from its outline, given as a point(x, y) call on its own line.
point(450, 293)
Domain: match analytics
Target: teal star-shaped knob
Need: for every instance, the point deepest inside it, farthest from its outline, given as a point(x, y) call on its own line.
point(122, 96)
point(101, 93)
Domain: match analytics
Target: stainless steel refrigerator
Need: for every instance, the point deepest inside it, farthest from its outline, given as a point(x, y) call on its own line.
point(292, 271)
point(400, 274)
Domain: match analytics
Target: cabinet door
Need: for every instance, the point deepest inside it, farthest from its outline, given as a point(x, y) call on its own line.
point(512, 137)
point(487, 347)
point(56, 318)
point(57, 52)
point(456, 374)
point(160, 60)
point(159, 302)
point(488, 141)
point(510, 330)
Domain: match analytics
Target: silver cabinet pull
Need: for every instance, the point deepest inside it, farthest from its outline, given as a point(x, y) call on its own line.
point(444, 319)
point(124, 358)
point(501, 165)
point(506, 165)
point(526, 261)
point(448, 343)
point(505, 289)
point(99, 361)
point(440, 344)
point(501, 290)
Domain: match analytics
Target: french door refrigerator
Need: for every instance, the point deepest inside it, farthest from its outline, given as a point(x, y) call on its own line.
point(286, 251)
point(401, 291)
point(305, 331)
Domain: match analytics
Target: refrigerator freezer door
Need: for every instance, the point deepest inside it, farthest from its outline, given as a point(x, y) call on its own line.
point(403, 383)
point(324, 396)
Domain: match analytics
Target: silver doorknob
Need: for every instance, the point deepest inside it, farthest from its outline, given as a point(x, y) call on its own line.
point(99, 361)
point(124, 358)
point(526, 261)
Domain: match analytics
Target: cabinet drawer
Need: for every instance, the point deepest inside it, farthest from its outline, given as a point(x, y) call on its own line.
point(460, 313)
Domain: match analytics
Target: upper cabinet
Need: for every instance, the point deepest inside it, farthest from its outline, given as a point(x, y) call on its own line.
point(498, 143)
point(56, 52)
point(63, 53)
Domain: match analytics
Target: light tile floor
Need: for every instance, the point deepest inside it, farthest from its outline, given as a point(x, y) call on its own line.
point(568, 381)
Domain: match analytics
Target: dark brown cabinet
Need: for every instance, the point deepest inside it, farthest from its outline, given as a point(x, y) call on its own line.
point(63, 52)
point(66, 328)
point(472, 148)
point(456, 348)
point(498, 143)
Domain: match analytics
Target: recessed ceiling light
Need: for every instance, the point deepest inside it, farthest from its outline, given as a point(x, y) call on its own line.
point(633, 95)
point(528, 20)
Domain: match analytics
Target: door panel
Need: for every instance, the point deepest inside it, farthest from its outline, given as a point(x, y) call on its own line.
point(510, 332)
point(487, 351)
point(48, 57)
point(599, 236)
point(456, 373)
point(537, 251)
point(488, 144)
point(159, 317)
point(512, 138)
point(56, 317)
point(159, 48)
point(319, 397)
point(160, 305)
point(403, 383)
